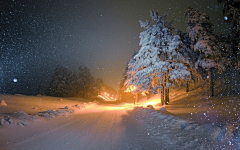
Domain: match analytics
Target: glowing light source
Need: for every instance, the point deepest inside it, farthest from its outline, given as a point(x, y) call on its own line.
point(131, 88)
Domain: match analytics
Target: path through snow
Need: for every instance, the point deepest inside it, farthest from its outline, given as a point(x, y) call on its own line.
point(109, 126)
point(97, 130)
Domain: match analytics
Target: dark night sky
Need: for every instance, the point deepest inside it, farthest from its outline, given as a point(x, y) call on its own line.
point(36, 35)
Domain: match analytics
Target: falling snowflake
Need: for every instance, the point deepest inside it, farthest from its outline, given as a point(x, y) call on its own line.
point(15, 80)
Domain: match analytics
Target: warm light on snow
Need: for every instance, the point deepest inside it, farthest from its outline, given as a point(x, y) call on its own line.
point(110, 107)
point(150, 103)
point(119, 107)
point(106, 97)
point(144, 103)
point(154, 101)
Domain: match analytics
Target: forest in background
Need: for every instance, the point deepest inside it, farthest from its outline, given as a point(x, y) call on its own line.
point(66, 83)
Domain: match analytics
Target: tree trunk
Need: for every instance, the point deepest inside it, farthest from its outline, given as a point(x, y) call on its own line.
point(191, 79)
point(162, 90)
point(187, 86)
point(166, 94)
point(162, 95)
point(159, 94)
point(165, 79)
point(210, 77)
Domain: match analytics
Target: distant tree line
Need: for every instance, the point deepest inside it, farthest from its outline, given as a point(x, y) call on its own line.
point(165, 59)
point(66, 83)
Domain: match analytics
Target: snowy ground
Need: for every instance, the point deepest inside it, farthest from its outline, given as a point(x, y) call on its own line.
point(190, 121)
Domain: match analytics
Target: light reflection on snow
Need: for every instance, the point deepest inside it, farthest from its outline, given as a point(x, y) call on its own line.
point(106, 97)
point(102, 108)
point(155, 101)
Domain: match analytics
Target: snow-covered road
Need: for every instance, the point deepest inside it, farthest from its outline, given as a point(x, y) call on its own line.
point(93, 130)
point(70, 125)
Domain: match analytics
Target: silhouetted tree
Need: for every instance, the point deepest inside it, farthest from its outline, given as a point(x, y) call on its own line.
point(60, 84)
point(99, 86)
point(85, 82)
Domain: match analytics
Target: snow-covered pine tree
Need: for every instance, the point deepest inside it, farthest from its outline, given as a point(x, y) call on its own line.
point(125, 75)
point(157, 64)
point(203, 42)
point(190, 55)
point(122, 86)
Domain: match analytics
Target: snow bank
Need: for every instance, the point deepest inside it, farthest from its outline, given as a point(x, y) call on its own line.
point(180, 133)
point(17, 118)
point(66, 110)
point(53, 113)
point(3, 122)
point(22, 115)
point(23, 119)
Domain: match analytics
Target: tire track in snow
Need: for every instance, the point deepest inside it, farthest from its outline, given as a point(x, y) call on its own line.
point(27, 141)
point(100, 130)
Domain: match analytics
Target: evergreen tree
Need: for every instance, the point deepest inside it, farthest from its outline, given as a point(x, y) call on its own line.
point(191, 55)
point(122, 86)
point(66, 83)
point(204, 43)
point(99, 86)
point(122, 94)
point(85, 82)
point(74, 88)
point(60, 84)
point(157, 60)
